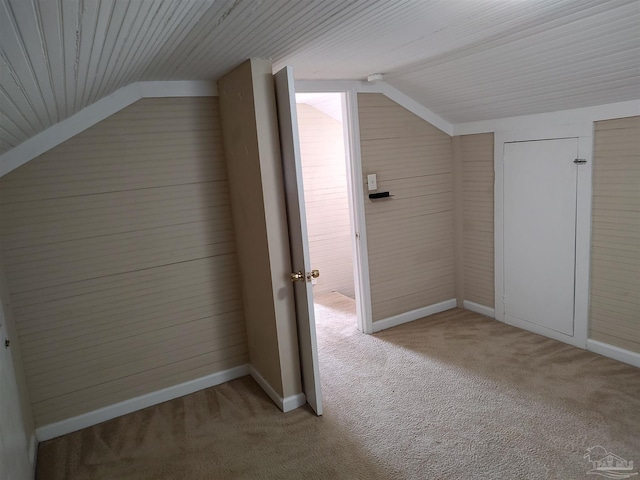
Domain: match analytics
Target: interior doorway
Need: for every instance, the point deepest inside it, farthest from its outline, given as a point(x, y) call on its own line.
point(324, 146)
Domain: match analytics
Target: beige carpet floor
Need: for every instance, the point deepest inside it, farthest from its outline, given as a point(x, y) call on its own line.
point(455, 395)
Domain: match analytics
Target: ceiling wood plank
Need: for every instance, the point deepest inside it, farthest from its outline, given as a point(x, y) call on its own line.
point(464, 61)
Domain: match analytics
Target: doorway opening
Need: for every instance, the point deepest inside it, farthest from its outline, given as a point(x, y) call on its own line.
point(324, 149)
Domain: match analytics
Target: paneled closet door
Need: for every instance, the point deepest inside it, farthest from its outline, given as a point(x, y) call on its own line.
point(540, 184)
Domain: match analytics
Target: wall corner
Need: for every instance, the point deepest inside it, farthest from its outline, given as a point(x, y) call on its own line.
point(458, 219)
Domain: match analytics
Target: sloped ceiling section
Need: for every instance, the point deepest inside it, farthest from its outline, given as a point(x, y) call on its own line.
point(463, 59)
point(328, 103)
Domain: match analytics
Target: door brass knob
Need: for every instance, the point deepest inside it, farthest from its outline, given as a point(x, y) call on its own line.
point(297, 276)
point(312, 274)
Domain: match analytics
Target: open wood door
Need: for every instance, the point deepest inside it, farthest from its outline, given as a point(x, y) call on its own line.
point(14, 456)
point(300, 260)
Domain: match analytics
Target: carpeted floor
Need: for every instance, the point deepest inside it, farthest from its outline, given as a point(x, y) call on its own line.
point(454, 395)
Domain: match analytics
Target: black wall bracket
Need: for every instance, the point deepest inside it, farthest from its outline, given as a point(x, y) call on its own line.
point(373, 196)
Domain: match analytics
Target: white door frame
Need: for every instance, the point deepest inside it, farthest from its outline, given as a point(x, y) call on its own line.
point(584, 133)
point(355, 189)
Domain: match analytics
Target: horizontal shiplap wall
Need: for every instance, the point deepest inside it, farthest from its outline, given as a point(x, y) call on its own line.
point(120, 258)
point(477, 210)
point(410, 235)
point(326, 200)
point(615, 249)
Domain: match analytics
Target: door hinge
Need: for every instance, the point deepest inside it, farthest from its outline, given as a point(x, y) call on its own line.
point(579, 161)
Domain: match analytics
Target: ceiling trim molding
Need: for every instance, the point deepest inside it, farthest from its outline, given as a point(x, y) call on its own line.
point(316, 86)
point(575, 116)
point(402, 99)
point(417, 108)
point(179, 89)
point(96, 112)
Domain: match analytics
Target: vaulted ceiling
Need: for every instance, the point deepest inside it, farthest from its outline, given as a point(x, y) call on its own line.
point(463, 59)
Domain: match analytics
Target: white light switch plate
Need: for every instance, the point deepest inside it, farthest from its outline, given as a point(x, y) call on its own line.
point(372, 181)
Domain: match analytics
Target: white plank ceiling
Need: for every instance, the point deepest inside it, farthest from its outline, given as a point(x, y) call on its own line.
point(464, 59)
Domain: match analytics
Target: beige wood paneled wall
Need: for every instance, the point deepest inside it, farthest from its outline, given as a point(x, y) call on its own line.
point(326, 200)
point(120, 257)
point(615, 248)
point(410, 236)
point(252, 149)
point(476, 160)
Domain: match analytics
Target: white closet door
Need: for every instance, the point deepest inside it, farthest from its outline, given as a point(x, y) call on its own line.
point(540, 180)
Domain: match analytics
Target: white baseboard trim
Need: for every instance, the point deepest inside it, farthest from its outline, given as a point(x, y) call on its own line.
point(575, 340)
point(285, 404)
point(476, 307)
point(413, 315)
point(294, 401)
point(611, 351)
point(53, 430)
